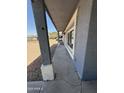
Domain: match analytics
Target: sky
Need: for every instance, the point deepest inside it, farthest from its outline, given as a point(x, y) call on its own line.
point(31, 29)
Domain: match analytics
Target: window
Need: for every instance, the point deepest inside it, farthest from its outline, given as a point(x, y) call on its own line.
point(71, 39)
point(69, 35)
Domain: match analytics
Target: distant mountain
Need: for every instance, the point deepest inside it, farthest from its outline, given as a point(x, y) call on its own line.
point(52, 35)
point(33, 36)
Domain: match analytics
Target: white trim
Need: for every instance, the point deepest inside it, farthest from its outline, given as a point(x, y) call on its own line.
point(70, 50)
point(69, 29)
point(73, 20)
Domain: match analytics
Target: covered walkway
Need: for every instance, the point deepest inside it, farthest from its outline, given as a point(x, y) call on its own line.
point(66, 81)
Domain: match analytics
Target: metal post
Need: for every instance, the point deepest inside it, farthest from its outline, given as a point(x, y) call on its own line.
point(41, 26)
point(58, 36)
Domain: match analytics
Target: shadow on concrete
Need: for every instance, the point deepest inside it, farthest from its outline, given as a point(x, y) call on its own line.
point(33, 70)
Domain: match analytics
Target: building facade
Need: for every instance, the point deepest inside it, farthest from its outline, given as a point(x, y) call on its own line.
point(77, 21)
point(80, 39)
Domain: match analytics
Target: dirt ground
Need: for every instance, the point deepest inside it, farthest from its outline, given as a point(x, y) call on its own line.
point(34, 59)
point(33, 49)
point(33, 69)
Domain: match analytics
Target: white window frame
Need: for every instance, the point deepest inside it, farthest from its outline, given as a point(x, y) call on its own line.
point(71, 30)
point(68, 30)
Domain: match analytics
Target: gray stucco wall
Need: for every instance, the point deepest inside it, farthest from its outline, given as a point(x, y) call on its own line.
point(85, 42)
point(83, 20)
point(90, 66)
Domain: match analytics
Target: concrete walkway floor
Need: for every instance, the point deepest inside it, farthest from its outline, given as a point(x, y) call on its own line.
point(35, 87)
point(66, 81)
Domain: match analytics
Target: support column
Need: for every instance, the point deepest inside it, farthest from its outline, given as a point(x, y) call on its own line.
point(41, 26)
point(58, 36)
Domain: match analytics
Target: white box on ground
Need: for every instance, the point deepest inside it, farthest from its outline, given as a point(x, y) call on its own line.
point(47, 72)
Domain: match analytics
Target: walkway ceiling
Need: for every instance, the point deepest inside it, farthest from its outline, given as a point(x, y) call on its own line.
point(61, 11)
